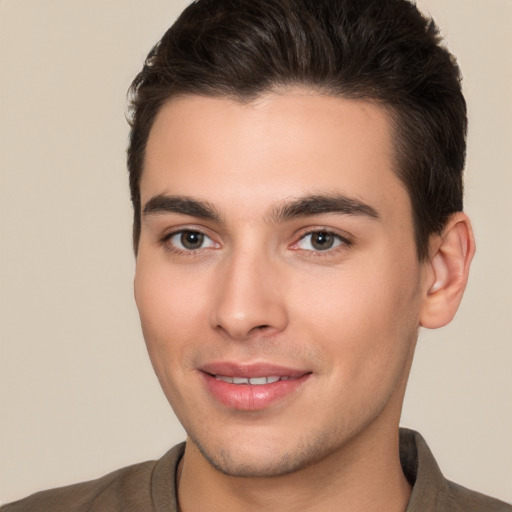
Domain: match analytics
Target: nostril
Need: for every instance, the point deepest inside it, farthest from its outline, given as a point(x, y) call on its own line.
point(263, 327)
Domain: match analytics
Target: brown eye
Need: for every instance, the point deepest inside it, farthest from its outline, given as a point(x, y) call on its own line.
point(191, 239)
point(320, 241)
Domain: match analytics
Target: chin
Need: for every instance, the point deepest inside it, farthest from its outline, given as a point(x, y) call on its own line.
point(262, 459)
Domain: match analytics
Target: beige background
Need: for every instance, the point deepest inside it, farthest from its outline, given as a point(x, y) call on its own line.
point(78, 395)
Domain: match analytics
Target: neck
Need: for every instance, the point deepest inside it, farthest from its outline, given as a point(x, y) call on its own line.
point(363, 475)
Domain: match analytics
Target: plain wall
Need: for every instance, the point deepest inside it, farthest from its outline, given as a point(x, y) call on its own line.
point(78, 394)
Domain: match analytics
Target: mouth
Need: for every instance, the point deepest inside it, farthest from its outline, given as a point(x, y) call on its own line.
point(253, 381)
point(252, 387)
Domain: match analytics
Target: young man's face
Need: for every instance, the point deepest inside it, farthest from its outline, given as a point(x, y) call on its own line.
point(277, 243)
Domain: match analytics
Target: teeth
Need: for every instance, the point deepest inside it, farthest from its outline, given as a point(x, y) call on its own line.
point(255, 381)
point(224, 379)
point(258, 380)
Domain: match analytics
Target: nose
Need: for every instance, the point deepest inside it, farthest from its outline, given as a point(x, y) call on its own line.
point(249, 299)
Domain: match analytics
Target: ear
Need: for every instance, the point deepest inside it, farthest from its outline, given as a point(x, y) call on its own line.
point(447, 271)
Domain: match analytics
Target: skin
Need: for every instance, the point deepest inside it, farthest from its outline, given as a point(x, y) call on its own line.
point(257, 289)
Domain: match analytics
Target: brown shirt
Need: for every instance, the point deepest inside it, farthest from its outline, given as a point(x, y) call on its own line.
point(150, 487)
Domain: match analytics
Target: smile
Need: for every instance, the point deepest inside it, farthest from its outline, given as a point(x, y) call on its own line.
point(253, 381)
point(252, 387)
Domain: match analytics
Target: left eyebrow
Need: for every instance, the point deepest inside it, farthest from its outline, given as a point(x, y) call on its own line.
point(181, 205)
point(321, 204)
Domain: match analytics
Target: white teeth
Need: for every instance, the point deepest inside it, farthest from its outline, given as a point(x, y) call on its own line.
point(258, 380)
point(240, 380)
point(255, 381)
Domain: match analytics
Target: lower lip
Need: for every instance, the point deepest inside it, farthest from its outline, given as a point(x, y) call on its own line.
point(249, 397)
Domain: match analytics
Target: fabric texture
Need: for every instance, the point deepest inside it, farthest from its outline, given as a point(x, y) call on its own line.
point(151, 487)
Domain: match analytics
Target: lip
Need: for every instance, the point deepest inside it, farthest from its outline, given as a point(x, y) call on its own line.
point(249, 397)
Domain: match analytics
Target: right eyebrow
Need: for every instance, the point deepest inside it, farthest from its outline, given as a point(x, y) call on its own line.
point(322, 204)
point(182, 205)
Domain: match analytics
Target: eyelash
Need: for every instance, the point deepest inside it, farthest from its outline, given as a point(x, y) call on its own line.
point(344, 243)
point(165, 242)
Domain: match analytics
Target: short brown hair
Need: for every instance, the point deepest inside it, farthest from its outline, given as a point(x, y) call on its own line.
point(381, 50)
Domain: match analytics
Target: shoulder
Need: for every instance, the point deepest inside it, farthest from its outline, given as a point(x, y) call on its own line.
point(430, 489)
point(461, 499)
point(145, 486)
point(127, 486)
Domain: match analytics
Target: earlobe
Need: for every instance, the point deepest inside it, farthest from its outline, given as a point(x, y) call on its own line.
point(449, 262)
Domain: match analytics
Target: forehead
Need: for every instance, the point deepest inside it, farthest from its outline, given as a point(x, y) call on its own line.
point(283, 144)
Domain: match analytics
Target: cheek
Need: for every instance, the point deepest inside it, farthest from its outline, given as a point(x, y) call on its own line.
point(170, 310)
point(165, 295)
point(365, 318)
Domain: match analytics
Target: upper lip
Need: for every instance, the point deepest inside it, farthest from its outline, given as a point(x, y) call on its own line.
point(231, 369)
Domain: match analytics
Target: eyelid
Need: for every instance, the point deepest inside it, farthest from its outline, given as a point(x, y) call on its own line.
point(344, 238)
point(164, 240)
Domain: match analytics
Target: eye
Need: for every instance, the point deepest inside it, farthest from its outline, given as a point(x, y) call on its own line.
point(189, 240)
point(320, 241)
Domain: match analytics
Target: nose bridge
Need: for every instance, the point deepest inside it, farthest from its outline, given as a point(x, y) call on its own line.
point(248, 299)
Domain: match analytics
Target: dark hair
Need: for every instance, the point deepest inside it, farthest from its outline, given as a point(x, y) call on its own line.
point(380, 50)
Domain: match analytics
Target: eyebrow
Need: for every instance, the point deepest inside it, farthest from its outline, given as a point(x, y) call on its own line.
point(303, 207)
point(182, 205)
point(322, 204)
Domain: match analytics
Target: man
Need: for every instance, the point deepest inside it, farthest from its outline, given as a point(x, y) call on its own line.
point(295, 169)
